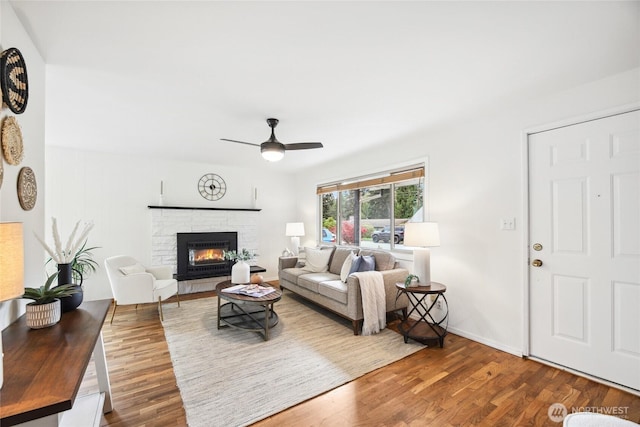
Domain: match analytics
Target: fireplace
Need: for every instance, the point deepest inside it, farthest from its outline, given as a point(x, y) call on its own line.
point(200, 255)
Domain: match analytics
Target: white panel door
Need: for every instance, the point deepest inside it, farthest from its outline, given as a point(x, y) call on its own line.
point(584, 201)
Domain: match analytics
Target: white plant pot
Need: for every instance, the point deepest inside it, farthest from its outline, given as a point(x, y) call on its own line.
point(240, 273)
point(43, 315)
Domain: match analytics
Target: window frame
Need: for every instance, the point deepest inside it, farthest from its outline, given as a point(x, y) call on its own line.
point(392, 177)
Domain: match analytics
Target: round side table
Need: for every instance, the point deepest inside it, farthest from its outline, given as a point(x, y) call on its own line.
point(425, 328)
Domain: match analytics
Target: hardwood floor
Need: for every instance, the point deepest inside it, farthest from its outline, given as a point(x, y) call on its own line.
point(463, 384)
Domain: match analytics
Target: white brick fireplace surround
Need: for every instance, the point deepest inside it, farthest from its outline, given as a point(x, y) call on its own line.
point(166, 223)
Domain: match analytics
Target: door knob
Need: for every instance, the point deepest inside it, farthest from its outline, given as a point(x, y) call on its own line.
point(536, 263)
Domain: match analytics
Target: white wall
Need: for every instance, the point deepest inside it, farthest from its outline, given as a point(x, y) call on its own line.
point(475, 177)
point(113, 192)
point(12, 34)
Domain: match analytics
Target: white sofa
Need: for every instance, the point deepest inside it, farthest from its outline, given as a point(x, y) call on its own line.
point(329, 291)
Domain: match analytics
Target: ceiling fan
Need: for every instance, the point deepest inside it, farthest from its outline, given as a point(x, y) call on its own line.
point(272, 149)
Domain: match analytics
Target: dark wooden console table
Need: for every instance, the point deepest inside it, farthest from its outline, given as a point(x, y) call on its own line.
point(43, 368)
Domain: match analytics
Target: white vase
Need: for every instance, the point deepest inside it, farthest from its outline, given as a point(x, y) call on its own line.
point(43, 315)
point(240, 273)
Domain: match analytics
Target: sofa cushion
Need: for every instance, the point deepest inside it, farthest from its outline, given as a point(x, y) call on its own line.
point(384, 260)
point(291, 274)
point(311, 281)
point(339, 255)
point(317, 259)
point(334, 289)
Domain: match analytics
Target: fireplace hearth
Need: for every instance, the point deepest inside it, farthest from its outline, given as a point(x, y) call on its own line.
point(200, 255)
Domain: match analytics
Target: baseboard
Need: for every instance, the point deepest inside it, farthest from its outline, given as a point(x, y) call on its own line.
point(487, 342)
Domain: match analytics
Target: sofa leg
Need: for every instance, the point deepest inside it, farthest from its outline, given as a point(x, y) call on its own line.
point(356, 326)
point(160, 309)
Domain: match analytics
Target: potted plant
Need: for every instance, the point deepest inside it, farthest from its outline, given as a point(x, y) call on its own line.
point(411, 281)
point(240, 272)
point(74, 253)
point(82, 264)
point(45, 309)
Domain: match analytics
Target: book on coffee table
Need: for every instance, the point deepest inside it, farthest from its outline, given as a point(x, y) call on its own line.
point(250, 290)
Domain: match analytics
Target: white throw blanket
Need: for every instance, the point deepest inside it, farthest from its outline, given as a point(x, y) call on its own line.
point(373, 302)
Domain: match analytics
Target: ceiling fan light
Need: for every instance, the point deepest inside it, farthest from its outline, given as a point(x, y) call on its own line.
point(272, 151)
point(272, 155)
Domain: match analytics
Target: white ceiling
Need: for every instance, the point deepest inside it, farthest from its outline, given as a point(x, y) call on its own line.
point(170, 78)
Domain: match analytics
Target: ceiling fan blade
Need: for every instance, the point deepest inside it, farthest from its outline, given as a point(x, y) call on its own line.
point(239, 142)
point(302, 145)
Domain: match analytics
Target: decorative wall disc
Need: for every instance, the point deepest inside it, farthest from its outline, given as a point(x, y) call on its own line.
point(12, 141)
point(13, 78)
point(27, 188)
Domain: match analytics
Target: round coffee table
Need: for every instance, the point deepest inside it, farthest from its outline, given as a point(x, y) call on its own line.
point(247, 312)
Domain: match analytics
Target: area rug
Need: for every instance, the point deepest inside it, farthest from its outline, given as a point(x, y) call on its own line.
point(230, 377)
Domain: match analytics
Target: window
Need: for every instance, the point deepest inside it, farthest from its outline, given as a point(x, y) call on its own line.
point(371, 211)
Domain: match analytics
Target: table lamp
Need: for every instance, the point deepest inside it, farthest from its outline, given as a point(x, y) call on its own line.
point(422, 235)
point(11, 269)
point(295, 230)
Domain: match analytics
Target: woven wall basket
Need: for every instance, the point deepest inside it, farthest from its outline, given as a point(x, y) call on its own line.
point(43, 315)
point(27, 188)
point(12, 145)
point(13, 78)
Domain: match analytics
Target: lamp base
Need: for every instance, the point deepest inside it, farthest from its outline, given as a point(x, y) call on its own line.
point(422, 265)
point(295, 243)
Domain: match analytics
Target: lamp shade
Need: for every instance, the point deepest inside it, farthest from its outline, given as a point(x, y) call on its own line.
point(294, 229)
point(11, 261)
point(421, 234)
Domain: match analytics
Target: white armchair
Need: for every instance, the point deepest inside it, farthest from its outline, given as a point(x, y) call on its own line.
point(132, 283)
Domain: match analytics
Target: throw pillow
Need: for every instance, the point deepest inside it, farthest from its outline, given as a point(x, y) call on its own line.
point(368, 263)
point(355, 264)
point(132, 269)
point(363, 263)
point(317, 260)
point(346, 266)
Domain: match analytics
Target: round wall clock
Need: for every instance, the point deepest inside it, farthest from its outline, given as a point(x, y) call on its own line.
point(27, 188)
point(212, 186)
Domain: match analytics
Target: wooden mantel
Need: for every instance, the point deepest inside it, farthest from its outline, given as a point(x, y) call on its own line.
point(204, 208)
point(43, 368)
